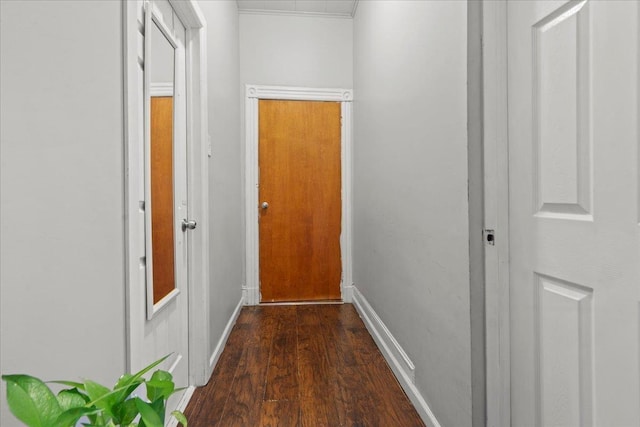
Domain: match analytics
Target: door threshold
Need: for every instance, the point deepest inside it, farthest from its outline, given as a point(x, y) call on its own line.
point(302, 303)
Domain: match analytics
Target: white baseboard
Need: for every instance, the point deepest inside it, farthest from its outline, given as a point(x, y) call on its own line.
point(383, 337)
point(213, 359)
point(347, 293)
point(396, 357)
point(251, 296)
point(182, 405)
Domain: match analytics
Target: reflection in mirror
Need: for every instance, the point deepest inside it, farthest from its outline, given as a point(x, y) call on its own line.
point(161, 86)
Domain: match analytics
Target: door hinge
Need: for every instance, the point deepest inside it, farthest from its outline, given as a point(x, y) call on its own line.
point(489, 237)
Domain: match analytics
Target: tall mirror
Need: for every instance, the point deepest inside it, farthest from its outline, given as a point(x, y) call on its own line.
point(160, 164)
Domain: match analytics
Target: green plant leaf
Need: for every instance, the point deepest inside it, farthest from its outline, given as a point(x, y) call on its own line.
point(70, 417)
point(125, 412)
point(159, 389)
point(109, 397)
point(94, 390)
point(148, 414)
point(158, 405)
point(161, 375)
point(160, 386)
point(124, 380)
point(71, 398)
point(93, 418)
point(31, 401)
point(139, 374)
point(72, 384)
point(22, 405)
point(180, 417)
point(127, 383)
point(100, 396)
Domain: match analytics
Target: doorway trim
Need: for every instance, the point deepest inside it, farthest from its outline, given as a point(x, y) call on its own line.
point(197, 183)
point(254, 93)
point(496, 211)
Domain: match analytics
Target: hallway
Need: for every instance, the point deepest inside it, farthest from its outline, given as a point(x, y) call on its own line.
point(308, 365)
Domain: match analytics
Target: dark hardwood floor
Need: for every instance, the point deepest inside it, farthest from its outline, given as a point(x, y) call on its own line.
point(305, 365)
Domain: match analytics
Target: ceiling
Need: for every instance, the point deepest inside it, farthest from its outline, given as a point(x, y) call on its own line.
point(342, 8)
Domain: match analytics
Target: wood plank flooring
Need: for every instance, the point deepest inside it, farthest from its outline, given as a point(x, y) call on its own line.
point(305, 365)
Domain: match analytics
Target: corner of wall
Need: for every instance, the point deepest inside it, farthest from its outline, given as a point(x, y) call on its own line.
point(395, 356)
point(215, 355)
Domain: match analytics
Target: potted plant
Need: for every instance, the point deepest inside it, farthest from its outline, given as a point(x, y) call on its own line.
point(36, 405)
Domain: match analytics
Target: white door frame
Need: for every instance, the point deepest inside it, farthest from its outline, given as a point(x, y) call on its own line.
point(496, 211)
point(197, 179)
point(253, 93)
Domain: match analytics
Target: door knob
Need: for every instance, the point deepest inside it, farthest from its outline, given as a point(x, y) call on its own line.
point(188, 224)
point(264, 205)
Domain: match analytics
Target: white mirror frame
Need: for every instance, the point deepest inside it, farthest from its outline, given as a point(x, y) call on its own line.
point(152, 18)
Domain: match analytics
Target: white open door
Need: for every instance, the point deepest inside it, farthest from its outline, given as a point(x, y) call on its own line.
point(574, 212)
point(166, 323)
point(166, 186)
point(157, 192)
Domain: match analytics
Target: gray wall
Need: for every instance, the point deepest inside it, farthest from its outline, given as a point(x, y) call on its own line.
point(225, 187)
point(296, 51)
point(411, 223)
point(62, 227)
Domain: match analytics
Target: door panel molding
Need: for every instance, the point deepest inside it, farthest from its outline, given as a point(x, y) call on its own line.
point(253, 93)
point(568, 282)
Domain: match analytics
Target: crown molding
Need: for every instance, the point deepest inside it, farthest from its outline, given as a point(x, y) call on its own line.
point(296, 13)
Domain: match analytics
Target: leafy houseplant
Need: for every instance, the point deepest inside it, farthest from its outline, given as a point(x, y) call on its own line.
point(35, 404)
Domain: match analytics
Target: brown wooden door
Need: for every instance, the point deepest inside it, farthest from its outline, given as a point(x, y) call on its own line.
point(300, 179)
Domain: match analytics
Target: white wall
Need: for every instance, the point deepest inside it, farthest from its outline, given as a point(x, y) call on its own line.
point(225, 187)
point(296, 51)
point(411, 238)
point(61, 218)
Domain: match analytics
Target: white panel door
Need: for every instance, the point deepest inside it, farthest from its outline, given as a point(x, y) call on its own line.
point(165, 326)
point(574, 213)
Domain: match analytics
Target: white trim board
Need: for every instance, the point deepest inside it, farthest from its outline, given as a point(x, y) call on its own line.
point(161, 89)
point(253, 93)
point(198, 195)
point(496, 212)
point(182, 405)
point(213, 359)
point(395, 356)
